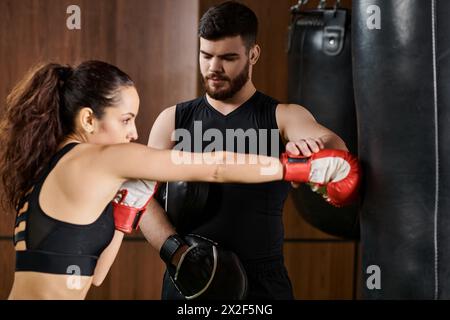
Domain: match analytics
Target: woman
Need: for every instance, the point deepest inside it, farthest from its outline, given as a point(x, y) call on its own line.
point(66, 150)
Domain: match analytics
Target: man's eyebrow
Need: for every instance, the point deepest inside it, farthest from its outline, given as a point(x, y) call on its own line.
point(226, 55)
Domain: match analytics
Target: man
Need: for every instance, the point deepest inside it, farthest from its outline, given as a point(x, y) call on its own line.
point(244, 219)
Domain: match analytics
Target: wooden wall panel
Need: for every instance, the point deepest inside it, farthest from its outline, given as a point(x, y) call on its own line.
point(321, 270)
point(157, 43)
point(136, 274)
point(7, 259)
point(296, 227)
point(6, 223)
point(154, 41)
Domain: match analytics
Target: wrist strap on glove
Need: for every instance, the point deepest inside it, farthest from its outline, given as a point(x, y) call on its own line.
point(170, 246)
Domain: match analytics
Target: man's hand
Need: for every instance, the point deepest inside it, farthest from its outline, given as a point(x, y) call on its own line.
point(304, 147)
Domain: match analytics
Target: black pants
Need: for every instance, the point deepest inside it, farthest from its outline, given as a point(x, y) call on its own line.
point(267, 280)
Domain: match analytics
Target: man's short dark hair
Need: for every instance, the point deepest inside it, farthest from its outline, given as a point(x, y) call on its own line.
point(229, 19)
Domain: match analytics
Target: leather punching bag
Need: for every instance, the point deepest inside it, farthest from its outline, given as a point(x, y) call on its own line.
point(402, 92)
point(320, 79)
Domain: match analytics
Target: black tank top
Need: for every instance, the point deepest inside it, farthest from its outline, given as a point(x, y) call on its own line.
point(245, 218)
point(54, 246)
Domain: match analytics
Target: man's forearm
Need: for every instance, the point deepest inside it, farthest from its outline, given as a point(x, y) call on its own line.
point(155, 225)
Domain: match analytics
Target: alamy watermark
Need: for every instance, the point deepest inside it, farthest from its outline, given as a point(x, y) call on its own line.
point(374, 19)
point(73, 281)
point(73, 22)
point(373, 281)
point(243, 142)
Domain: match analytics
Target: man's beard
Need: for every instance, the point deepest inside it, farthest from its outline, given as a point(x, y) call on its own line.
point(235, 84)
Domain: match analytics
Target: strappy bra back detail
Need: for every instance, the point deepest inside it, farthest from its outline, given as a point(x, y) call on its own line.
point(45, 244)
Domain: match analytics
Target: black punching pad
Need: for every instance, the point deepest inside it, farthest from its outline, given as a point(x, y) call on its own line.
point(402, 92)
point(229, 280)
point(320, 79)
point(184, 203)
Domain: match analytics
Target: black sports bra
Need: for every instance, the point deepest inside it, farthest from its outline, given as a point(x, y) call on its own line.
point(54, 246)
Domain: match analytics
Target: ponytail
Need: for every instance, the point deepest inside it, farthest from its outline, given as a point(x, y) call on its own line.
point(40, 113)
point(30, 130)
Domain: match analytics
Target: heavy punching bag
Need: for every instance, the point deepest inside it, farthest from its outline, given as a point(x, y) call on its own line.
point(320, 79)
point(402, 94)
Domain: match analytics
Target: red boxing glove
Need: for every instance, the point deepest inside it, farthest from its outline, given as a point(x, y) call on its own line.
point(131, 202)
point(334, 173)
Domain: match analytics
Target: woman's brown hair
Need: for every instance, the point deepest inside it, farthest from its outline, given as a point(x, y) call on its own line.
point(40, 113)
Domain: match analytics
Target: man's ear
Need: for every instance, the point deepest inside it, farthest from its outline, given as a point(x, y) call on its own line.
point(254, 54)
point(86, 119)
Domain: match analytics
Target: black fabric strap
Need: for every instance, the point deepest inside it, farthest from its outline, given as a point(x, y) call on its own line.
point(59, 154)
point(24, 200)
point(19, 236)
point(21, 218)
point(51, 164)
point(170, 246)
point(48, 262)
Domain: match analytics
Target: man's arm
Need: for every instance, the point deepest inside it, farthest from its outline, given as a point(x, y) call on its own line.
point(155, 225)
point(302, 132)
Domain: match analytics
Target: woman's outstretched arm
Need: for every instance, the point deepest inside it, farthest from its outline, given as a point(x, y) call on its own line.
point(135, 161)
